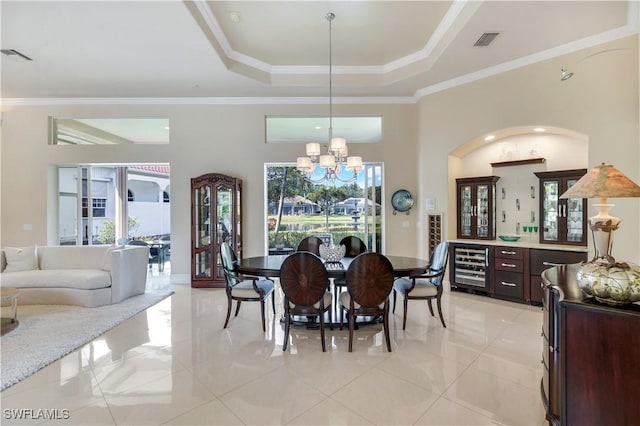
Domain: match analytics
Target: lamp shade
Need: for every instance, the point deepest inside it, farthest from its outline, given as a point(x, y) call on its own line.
point(305, 165)
point(339, 145)
point(354, 164)
point(327, 161)
point(603, 181)
point(313, 149)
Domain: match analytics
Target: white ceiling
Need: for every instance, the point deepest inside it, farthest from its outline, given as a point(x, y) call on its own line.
point(384, 49)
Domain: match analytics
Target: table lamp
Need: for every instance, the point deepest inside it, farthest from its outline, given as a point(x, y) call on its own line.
point(602, 277)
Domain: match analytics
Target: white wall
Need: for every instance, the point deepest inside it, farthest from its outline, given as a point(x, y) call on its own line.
point(204, 138)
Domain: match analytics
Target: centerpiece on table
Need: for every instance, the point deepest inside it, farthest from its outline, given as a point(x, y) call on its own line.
point(333, 253)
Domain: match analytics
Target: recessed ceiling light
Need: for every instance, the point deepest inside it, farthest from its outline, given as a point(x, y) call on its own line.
point(166, 127)
point(539, 129)
point(318, 127)
point(489, 137)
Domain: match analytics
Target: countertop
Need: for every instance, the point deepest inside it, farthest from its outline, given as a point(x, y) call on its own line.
point(524, 244)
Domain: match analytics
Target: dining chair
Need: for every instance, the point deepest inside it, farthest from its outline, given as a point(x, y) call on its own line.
point(303, 279)
point(427, 286)
point(353, 247)
point(244, 288)
point(369, 284)
point(311, 244)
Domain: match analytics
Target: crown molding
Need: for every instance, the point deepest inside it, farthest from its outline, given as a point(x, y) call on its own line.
point(205, 101)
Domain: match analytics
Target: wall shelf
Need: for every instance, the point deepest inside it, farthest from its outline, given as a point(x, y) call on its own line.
point(519, 162)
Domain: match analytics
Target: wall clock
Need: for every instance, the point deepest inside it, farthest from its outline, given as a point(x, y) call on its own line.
point(401, 201)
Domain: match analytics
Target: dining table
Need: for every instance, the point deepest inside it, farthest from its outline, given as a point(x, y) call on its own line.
point(269, 266)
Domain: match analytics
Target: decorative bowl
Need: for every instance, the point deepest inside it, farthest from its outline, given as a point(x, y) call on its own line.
point(509, 238)
point(332, 253)
point(614, 285)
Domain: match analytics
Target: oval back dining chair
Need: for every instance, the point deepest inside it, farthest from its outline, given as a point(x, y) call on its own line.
point(427, 286)
point(244, 288)
point(311, 244)
point(353, 247)
point(369, 284)
point(303, 279)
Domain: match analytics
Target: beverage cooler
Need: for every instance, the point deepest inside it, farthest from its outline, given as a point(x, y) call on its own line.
point(469, 267)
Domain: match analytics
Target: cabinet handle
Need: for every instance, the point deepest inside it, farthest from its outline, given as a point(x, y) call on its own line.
point(508, 265)
point(506, 284)
point(551, 349)
point(508, 252)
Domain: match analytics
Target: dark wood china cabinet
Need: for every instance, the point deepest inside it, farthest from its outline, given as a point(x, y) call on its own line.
point(476, 201)
point(562, 221)
point(216, 217)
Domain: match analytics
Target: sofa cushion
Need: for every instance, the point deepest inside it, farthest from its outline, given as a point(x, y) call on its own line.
point(72, 257)
point(84, 279)
point(20, 259)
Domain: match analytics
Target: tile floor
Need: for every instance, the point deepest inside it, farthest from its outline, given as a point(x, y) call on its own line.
point(174, 364)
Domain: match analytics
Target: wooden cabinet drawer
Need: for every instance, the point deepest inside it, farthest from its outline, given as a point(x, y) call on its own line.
point(538, 258)
point(510, 252)
point(509, 284)
point(511, 265)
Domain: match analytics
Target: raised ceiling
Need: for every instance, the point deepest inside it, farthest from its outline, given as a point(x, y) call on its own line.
point(279, 49)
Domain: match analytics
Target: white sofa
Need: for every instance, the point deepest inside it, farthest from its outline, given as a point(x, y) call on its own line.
point(87, 276)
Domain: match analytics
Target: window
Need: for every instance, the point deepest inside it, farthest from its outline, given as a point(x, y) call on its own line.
point(99, 207)
point(296, 208)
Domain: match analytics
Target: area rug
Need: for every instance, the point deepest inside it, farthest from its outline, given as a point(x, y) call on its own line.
point(46, 333)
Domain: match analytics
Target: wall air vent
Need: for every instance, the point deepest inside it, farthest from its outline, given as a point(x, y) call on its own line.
point(485, 39)
point(14, 54)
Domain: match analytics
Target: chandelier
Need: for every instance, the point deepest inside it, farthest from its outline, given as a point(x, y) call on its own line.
point(336, 157)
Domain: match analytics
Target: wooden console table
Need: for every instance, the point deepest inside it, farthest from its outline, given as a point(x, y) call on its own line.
point(590, 355)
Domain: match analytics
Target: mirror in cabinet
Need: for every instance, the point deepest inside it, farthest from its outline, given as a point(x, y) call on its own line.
point(216, 218)
point(561, 221)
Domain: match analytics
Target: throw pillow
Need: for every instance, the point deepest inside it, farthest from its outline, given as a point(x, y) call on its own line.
point(21, 259)
point(106, 263)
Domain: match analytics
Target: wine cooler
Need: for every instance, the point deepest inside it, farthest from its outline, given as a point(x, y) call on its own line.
point(470, 267)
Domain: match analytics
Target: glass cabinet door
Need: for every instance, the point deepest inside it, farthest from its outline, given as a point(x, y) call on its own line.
point(482, 211)
point(562, 221)
point(202, 224)
point(575, 217)
point(466, 210)
point(550, 210)
point(224, 208)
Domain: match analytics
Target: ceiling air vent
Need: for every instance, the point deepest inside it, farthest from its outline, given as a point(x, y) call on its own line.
point(15, 54)
point(485, 39)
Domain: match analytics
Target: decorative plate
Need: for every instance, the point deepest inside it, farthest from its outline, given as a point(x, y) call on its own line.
point(401, 201)
point(510, 238)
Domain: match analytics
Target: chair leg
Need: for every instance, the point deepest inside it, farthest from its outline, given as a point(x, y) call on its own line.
point(351, 327)
point(341, 316)
point(262, 311)
point(386, 328)
point(229, 303)
point(404, 314)
point(324, 345)
point(430, 307)
point(273, 302)
point(237, 308)
point(440, 312)
point(287, 323)
point(395, 294)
